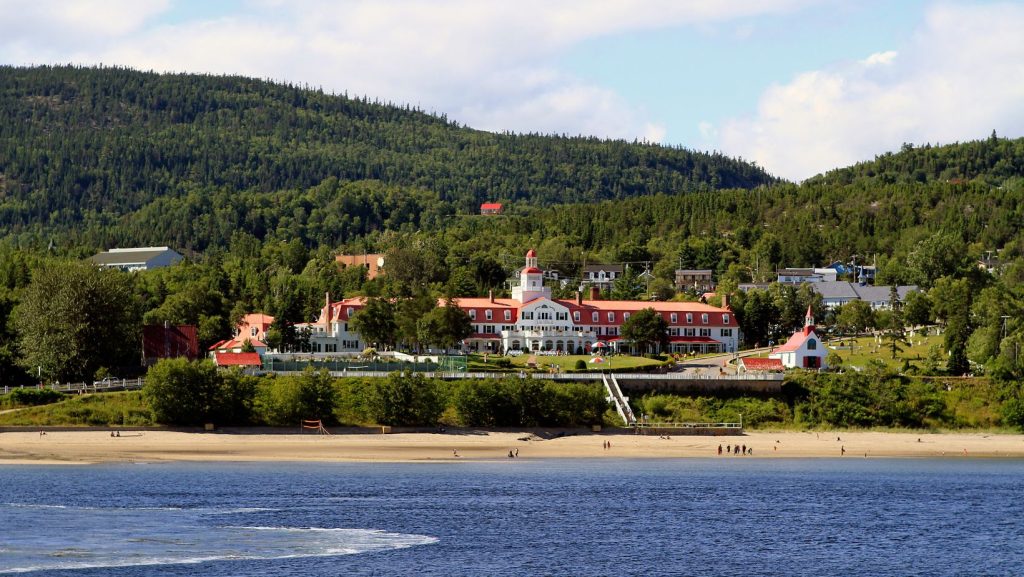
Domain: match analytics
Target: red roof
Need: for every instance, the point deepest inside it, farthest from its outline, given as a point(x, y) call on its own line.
point(238, 360)
point(531, 253)
point(795, 341)
point(761, 364)
point(533, 270)
point(490, 206)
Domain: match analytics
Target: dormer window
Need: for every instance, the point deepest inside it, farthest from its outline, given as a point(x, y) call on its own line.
point(576, 316)
point(472, 314)
point(611, 317)
point(725, 319)
point(254, 331)
point(508, 315)
point(704, 318)
point(674, 318)
point(595, 317)
point(625, 317)
point(689, 318)
point(488, 314)
point(348, 312)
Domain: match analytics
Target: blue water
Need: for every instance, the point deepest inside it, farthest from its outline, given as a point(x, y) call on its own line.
point(581, 517)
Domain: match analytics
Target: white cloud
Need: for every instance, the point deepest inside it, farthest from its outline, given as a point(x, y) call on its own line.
point(486, 64)
point(959, 77)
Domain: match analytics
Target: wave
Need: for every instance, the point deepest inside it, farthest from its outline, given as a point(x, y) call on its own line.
point(275, 543)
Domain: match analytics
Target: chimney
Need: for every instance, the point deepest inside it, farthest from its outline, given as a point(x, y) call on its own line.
point(595, 293)
point(579, 298)
point(490, 295)
point(327, 310)
point(725, 300)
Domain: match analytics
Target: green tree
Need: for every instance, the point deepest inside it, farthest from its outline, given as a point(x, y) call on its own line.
point(317, 395)
point(181, 392)
point(408, 314)
point(628, 286)
point(855, 317)
point(74, 318)
point(895, 331)
point(445, 326)
point(375, 322)
point(404, 399)
point(647, 330)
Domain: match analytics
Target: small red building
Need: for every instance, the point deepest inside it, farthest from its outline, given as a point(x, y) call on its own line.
point(490, 208)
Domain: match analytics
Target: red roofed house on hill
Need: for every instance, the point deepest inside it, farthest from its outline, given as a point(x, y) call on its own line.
point(804, 349)
point(533, 320)
point(490, 208)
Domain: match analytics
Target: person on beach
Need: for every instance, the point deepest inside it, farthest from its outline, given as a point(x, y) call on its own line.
point(517, 451)
point(744, 452)
point(719, 448)
point(455, 452)
point(842, 451)
point(728, 449)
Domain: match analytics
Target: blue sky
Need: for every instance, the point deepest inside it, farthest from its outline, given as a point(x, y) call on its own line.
point(798, 86)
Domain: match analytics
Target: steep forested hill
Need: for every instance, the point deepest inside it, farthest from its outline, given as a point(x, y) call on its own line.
point(993, 161)
point(116, 156)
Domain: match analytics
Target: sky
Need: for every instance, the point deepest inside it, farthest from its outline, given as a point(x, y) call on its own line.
point(797, 86)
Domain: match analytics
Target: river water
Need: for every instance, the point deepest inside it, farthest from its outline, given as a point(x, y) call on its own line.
point(716, 517)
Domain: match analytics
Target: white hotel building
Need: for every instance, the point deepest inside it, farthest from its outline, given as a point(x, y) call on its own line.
point(533, 319)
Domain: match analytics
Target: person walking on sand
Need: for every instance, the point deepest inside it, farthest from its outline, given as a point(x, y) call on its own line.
point(842, 450)
point(719, 448)
point(517, 451)
point(455, 452)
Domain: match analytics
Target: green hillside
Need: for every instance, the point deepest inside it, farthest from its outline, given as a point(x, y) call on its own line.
point(113, 156)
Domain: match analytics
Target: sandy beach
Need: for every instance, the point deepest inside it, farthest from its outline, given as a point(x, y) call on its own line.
point(95, 446)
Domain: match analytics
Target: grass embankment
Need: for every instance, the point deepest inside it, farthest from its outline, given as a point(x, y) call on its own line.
point(566, 363)
point(126, 409)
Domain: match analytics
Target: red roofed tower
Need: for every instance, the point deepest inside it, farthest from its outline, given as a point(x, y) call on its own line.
point(531, 281)
point(809, 321)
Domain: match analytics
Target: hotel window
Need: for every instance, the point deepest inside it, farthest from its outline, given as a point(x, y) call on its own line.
point(625, 317)
point(576, 316)
point(472, 314)
point(253, 331)
point(725, 319)
point(674, 318)
point(705, 332)
point(726, 332)
point(704, 318)
point(594, 317)
point(348, 312)
point(690, 332)
point(611, 317)
point(527, 316)
point(689, 318)
point(489, 329)
point(488, 314)
point(508, 315)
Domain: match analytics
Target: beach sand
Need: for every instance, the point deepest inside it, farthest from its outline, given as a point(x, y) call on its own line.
point(95, 446)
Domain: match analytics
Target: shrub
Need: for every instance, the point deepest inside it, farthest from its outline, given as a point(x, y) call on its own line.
point(33, 397)
point(580, 365)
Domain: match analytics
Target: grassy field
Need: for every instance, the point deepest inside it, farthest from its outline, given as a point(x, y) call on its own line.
point(100, 409)
point(863, 350)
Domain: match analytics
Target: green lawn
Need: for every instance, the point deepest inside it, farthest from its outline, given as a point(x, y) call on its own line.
point(564, 363)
